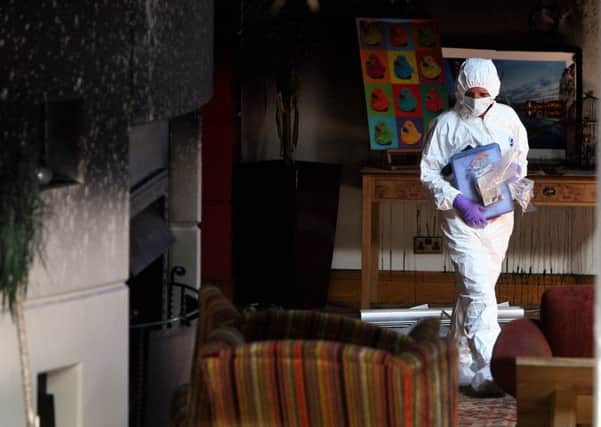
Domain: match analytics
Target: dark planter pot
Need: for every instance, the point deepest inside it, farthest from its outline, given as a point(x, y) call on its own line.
point(284, 228)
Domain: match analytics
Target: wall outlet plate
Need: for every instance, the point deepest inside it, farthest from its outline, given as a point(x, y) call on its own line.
point(427, 245)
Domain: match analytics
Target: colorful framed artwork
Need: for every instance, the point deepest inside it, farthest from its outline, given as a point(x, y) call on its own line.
point(403, 78)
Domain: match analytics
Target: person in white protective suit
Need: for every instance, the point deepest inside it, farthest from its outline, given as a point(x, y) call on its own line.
point(476, 246)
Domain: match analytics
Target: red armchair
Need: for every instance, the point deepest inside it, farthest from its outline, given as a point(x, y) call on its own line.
point(565, 329)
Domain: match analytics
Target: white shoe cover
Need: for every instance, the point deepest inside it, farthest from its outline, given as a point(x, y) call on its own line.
point(483, 384)
point(466, 375)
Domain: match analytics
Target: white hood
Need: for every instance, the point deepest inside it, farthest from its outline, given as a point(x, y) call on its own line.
point(476, 72)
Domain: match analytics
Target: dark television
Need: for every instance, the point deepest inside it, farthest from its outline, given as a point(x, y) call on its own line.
point(542, 86)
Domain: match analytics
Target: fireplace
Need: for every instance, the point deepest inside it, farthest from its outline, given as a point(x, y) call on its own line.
point(162, 291)
point(115, 66)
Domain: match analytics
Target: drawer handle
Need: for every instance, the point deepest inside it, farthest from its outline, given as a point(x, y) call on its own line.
point(549, 191)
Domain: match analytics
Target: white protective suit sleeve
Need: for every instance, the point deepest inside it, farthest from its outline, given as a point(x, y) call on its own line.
point(522, 147)
point(435, 157)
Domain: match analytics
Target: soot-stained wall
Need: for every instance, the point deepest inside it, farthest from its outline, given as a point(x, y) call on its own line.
point(129, 61)
point(172, 57)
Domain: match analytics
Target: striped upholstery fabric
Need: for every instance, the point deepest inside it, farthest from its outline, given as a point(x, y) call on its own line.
point(197, 407)
point(303, 368)
point(229, 336)
point(311, 325)
point(324, 383)
point(434, 387)
point(218, 319)
point(214, 310)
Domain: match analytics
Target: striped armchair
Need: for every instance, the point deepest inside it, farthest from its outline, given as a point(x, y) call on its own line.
point(304, 368)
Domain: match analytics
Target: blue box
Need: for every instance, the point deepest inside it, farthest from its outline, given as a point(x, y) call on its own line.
point(467, 163)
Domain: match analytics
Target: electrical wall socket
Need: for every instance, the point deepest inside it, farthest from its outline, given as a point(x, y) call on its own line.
point(427, 245)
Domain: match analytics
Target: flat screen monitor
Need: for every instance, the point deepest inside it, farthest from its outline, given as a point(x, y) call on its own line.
point(541, 86)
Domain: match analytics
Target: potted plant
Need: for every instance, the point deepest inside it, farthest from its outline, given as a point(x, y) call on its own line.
point(21, 210)
point(285, 210)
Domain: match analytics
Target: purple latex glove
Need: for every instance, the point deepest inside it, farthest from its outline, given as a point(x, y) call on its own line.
point(472, 213)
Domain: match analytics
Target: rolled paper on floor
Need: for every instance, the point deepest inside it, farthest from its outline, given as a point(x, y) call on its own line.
point(397, 318)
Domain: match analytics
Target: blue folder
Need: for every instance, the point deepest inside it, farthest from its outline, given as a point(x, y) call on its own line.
point(466, 164)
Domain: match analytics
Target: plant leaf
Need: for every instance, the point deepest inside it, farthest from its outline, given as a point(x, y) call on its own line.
point(21, 210)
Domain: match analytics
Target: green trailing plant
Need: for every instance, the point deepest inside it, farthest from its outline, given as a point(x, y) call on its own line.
point(21, 211)
point(20, 221)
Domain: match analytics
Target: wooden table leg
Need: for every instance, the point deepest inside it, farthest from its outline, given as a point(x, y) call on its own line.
point(370, 244)
point(563, 408)
point(554, 391)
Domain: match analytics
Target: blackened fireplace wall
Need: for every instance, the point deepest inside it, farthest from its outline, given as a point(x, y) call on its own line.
point(126, 63)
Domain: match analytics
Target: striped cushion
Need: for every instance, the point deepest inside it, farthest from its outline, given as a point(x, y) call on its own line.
point(217, 319)
point(312, 325)
point(321, 383)
point(227, 335)
point(214, 310)
point(434, 385)
point(198, 404)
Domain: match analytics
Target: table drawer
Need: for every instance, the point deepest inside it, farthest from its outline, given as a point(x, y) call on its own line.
point(565, 193)
point(402, 189)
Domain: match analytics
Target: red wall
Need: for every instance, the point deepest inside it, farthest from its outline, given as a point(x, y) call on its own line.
point(220, 145)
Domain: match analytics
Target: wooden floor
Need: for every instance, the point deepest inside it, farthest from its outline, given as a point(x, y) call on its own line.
point(437, 288)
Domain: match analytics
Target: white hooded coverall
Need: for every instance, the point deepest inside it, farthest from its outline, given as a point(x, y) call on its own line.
point(477, 253)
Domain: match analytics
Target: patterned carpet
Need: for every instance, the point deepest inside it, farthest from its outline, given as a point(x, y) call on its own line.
point(499, 412)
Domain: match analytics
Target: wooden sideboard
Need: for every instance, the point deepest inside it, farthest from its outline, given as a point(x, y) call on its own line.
point(381, 185)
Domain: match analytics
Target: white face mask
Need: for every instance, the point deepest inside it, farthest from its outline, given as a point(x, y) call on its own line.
point(477, 106)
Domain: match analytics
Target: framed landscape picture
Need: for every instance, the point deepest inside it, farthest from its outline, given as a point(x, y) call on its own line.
point(543, 87)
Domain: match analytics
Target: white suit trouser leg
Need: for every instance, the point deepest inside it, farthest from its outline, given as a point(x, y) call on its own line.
point(477, 254)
